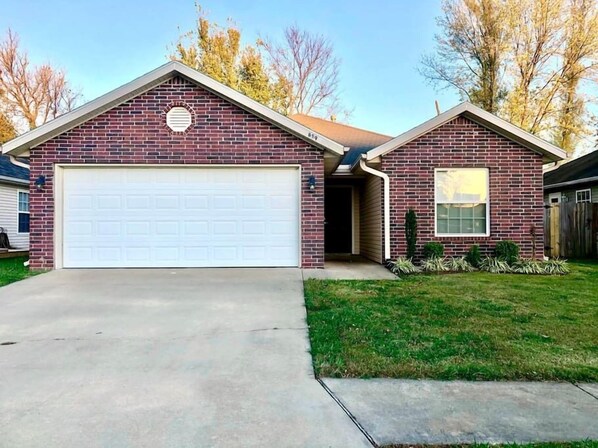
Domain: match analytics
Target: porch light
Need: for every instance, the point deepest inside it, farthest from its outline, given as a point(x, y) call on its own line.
point(311, 181)
point(40, 182)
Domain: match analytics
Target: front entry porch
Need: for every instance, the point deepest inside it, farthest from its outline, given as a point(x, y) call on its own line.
point(353, 219)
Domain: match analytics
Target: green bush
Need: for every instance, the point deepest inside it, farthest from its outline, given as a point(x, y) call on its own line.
point(434, 264)
point(459, 264)
point(474, 257)
point(507, 251)
point(433, 249)
point(411, 232)
point(403, 266)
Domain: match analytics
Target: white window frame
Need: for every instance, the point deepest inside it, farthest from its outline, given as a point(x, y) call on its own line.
point(462, 235)
point(585, 190)
point(19, 211)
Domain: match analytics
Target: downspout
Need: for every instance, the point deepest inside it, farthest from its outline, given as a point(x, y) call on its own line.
point(386, 182)
point(14, 161)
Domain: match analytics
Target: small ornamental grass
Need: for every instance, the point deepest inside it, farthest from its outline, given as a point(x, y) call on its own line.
point(556, 266)
point(403, 266)
point(459, 264)
point(434, 264)
point(495, 266)
point(531, 267)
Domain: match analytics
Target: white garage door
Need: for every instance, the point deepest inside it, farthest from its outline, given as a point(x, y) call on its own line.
point(180, 217)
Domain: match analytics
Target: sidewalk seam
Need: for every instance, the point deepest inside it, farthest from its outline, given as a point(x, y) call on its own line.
point(583, 390)
point(349, 414)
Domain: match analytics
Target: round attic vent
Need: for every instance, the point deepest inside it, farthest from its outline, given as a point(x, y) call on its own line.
point(178, 119)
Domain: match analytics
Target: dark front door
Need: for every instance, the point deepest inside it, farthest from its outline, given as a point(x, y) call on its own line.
point(338, 215)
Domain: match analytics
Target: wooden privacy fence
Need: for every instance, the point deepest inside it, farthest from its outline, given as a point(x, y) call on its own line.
point(571, 230)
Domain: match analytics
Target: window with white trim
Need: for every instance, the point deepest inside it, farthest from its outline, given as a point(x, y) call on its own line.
point(583, 196)
point(462, 202)
point(23, 201)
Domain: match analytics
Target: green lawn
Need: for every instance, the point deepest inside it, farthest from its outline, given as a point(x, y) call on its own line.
point(12, 270)
point(472, 326)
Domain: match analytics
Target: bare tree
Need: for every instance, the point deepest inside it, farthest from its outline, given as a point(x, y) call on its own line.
point(471, 51)
point(529, 61)
point(307, 72)
point(31, 94)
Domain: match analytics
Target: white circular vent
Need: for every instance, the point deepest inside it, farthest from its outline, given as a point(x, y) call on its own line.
point(178, 119)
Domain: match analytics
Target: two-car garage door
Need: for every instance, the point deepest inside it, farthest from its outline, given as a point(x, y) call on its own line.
point(180, 217)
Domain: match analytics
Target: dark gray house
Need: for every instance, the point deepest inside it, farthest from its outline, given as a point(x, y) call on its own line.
point(575, 181)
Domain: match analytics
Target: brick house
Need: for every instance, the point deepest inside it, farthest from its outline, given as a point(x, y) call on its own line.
point(177, 170)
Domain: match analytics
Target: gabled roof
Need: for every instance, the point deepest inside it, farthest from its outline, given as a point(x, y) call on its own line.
point(580, 170)
point(10, 172)
point(357, 140)
point(550, 152)
point(92, 109)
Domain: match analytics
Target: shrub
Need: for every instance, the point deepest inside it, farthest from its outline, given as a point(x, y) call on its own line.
point(433, 249)
point(434, 264)
point(507, 251)
point(403, 266)
point(474, 257)
point(556, 266)
point(459, 264)
point(411, 232)
point(495, 265)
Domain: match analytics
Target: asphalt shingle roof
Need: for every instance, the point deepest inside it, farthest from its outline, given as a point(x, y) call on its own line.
point(581, 168)
point(9, 169)
point(359, 140)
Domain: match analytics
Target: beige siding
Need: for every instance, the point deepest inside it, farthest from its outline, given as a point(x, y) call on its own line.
point(371, 219)
point(8, 216)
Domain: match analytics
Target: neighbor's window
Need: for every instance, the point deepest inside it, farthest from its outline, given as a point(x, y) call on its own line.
point(462, 201)
point(583, 196)
point(23, 212)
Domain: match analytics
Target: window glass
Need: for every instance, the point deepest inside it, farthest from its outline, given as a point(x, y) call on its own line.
point(23, 223)
point(462, 201)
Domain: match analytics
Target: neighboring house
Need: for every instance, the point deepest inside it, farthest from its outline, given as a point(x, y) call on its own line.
point(575, 181)
point(175, 169)
point(14, 203)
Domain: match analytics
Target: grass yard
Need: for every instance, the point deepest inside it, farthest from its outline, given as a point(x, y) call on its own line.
point(471, 326)
point(12, 270)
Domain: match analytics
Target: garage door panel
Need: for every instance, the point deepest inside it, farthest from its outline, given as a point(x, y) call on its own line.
point(178, 217)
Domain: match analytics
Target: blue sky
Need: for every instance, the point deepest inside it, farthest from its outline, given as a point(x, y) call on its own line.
point(103, 44)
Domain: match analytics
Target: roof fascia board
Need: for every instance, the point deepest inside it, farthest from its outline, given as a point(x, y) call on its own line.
point(87, 111)
point(260, 110)
point(13, 180)
point(572, 182)
point(149, 81)
point(481, 117)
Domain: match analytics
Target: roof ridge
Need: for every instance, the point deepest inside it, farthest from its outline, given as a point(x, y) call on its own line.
point(342, 124)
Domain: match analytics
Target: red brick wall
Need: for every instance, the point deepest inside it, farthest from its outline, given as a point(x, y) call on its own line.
point(135, 132)
point(515, 186)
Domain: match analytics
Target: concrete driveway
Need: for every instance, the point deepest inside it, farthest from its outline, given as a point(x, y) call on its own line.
point(162, 358)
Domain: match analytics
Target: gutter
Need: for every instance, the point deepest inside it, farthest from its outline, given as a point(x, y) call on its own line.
point(386, 180)
point(13, 180)
point(14, 161)
point(571, 182)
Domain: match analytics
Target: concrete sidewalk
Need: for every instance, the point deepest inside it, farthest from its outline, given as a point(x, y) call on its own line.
point(448, 412)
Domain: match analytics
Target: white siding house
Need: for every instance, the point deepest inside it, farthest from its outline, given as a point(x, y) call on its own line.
point(14, 203)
